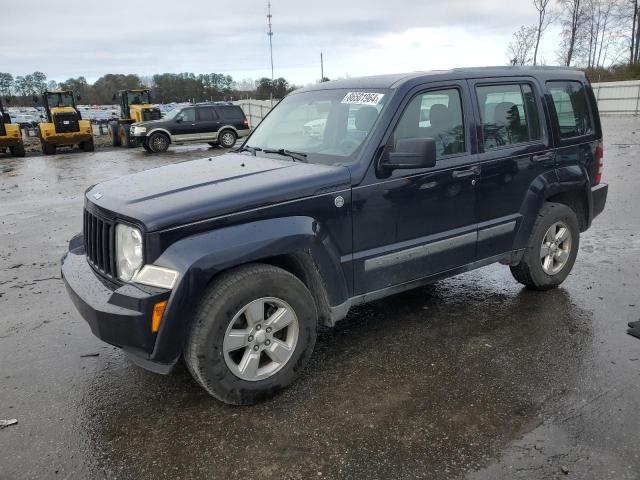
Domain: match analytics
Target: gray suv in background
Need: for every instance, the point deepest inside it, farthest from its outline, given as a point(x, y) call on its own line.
point(213, 123)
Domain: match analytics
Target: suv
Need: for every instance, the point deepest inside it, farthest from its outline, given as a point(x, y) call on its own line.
point(212, 123)
point(234, 264)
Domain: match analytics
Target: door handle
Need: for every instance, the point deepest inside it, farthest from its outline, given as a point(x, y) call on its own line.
point(544, 157)
point(467, 172)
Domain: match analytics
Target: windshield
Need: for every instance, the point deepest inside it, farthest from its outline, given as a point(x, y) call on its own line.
point(138, 98)
point(59, 100)
point(329, 126)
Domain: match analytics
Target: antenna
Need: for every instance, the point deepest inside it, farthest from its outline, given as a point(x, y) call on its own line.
point(270, 33)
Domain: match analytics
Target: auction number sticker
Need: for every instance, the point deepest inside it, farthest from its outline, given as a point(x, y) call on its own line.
point(362, 98)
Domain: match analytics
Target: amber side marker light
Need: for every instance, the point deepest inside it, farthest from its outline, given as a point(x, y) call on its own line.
point(156, 318)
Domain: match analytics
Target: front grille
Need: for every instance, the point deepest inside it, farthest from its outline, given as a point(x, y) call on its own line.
point(100, 244)
point(66, 122)
point(151, 114)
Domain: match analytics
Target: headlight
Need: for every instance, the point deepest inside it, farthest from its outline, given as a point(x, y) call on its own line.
point(128, 251)
point(140, 129)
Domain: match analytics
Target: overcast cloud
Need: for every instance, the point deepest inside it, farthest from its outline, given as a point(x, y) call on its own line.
point(358, 37)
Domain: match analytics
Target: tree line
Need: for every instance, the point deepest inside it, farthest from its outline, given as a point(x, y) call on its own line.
point(165, 87)
point(600, 36)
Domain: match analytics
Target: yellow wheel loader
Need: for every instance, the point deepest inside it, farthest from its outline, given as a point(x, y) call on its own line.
point(10, 135)
point(135, 106)
point(64, 125)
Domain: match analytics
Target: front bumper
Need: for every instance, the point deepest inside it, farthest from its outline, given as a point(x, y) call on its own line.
point(118, 315)
point(599, 196)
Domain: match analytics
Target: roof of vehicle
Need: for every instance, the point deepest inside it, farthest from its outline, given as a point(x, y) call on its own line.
point(397, 79)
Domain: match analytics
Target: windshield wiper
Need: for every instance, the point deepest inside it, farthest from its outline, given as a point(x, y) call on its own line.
point(296, 156)
point(247, 148)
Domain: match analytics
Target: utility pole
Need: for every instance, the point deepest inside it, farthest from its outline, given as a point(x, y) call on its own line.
point(270, 33)
point(321, 68)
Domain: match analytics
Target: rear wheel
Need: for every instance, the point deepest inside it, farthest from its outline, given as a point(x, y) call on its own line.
point(87, 146)
point(252, 334)
point(113, 134)
point(47, 148)
point(18, 150)
point(227, 139)
point(158, 142)
point(552, 248)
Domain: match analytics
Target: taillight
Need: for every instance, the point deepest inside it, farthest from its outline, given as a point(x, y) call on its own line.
point(599, 162)
point(246, 123)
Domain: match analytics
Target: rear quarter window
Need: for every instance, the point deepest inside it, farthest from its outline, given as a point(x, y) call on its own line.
point(231, 113)
point(572, 110)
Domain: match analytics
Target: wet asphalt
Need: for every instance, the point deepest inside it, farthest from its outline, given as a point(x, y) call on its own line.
point(472, 377)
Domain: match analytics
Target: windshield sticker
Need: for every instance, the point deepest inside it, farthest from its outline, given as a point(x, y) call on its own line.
point(362, 98)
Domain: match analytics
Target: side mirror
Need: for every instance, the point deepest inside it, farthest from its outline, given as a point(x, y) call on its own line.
point(179, 119)
point(411, 153)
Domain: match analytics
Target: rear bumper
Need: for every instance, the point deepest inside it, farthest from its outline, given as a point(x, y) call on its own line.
point(118, 315)
point(599, 196)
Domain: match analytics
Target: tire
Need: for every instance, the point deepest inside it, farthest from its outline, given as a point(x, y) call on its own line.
point(227, 138)
point(145, 145)
point(18, 150)
point(217, 368)
point(158, 142)
point(113, 134)
point(125, 136)
point(87, 146)
point(47, 148)
point(538, 271)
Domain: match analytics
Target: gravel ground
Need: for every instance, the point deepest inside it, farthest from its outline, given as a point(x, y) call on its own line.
point(472, 377)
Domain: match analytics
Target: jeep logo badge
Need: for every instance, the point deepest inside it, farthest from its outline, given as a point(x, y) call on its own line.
point(339, 201)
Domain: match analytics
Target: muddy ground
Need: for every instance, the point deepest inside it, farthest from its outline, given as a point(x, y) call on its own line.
point(473, 377)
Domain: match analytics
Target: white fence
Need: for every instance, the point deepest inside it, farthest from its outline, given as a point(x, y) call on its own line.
point(618, 98)
point(255, 110)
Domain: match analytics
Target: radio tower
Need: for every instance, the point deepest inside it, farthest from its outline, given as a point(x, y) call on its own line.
point(270, 33)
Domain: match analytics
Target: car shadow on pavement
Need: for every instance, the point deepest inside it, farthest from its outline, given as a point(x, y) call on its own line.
point(430, 383)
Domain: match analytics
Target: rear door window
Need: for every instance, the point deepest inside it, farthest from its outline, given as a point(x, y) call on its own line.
point(207, 114)
point(570, 100)
point(509, 115)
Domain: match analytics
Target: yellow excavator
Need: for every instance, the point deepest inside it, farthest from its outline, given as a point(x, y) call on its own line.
point(10, 135)
point(135, 106)
point(64, 125)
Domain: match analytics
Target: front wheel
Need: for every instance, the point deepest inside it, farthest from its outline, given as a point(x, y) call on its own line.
point(158, 142)
point(552, 248)
point(87, 146)
point(252, 334)
point(145, 145)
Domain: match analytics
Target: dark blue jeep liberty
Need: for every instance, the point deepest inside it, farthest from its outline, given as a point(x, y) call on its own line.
point(348, 191)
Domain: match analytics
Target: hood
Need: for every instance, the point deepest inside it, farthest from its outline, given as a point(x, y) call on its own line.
point(187, 192)
point(150, 123)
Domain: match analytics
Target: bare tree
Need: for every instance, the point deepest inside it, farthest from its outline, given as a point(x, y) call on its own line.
point(524, 41)
point(543, 22)
point(572, 19)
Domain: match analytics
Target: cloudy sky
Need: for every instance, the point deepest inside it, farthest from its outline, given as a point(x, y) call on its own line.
point(357, 37)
